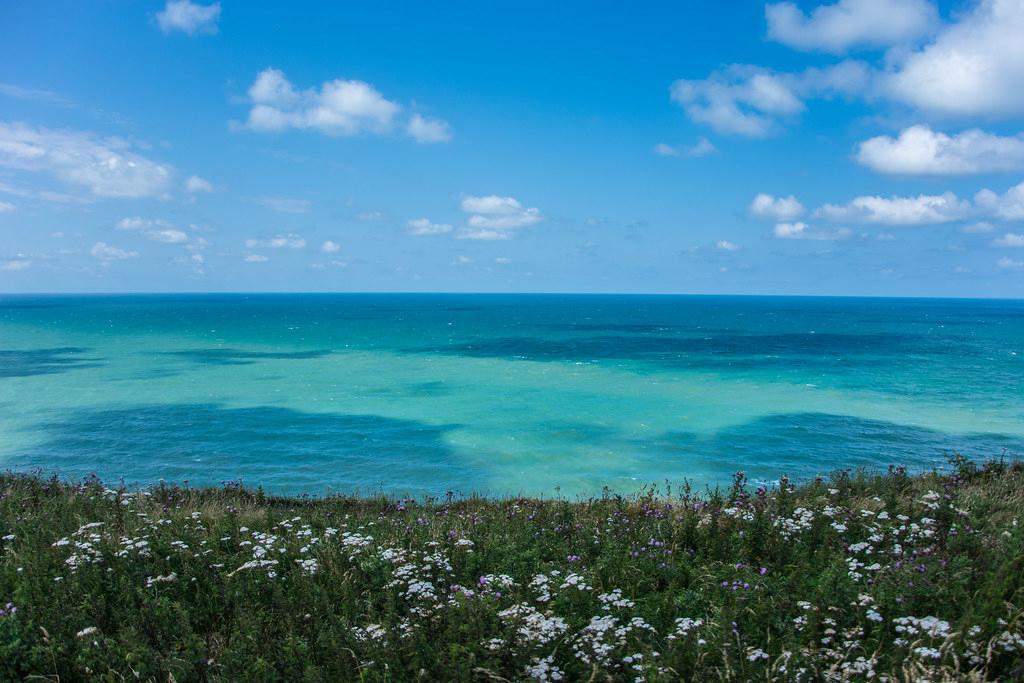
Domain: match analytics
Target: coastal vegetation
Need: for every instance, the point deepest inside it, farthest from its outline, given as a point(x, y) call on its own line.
point(855, 576)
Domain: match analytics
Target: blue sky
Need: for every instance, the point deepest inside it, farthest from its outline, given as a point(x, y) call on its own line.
point(860, 147)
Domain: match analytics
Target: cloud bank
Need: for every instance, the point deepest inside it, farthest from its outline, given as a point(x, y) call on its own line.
point(337, 108)
point(850, 24)
point(104, 167)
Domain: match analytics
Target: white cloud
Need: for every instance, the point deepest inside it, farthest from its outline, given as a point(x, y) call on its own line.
point(1009, 206)
point(726, 245)
point(195, 247)
point(921, 151)
point(920, 210)
point(978, 228)
point(167, 236)
point(495, 218)
point(339, 107)
point(930, 209)
point(195, 184)
point(426, 130)
point(16, 264)
point(34, 95)
point(284, 204)
point(491, 204)
point(105, 167)
point(135, 223)
point(189, 17)
point(156, 230)
point(45, 195)
point(780, 209)
point(330, 247)
point(255, 258)
point(850, 23)
point(1010, 239)
point(1010, 264)
point(289, 241)
point(503, 222)
point(790, 230)
point(663, 150)
point(701, 148)
point(423, 226)
point(369, 216)
point(740, 100)
point(334, 263)
point(482, 234)
point(973, 68)
point(6, 206)
point(752, 101)
point(107, 252)
point(802, 231)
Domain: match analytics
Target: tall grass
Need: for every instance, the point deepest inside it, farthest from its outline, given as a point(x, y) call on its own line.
point(857, 577)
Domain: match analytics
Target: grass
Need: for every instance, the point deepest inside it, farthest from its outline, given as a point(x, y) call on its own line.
point(857, 577)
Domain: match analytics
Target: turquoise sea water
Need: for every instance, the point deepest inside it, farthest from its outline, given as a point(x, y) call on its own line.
point(501, 393)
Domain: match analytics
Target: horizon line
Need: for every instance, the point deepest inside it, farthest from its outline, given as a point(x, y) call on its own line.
point(512, 293)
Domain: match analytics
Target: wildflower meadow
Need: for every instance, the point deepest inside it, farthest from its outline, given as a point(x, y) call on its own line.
point(857, 576)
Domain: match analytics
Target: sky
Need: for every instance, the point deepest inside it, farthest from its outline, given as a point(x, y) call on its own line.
point(861, 147)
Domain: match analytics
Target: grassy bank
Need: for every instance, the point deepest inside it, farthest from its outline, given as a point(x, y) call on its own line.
point(858, 577)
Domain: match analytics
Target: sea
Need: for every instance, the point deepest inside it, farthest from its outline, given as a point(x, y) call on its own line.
point(501, 394)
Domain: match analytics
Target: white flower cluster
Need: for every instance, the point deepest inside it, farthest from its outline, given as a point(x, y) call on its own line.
point(154, 580)
point(418, 577)
point(615, 599)
point(684, 626)
point(541, 585)
point(746, 515)
point(355, 543)
point(544, 670)
point(84, 541)
point(533, 627)
point(801, 520)
point(574, 580)
point(929, 626)
point(494, 583)
point(596, 642)
point(134, 546)
point(370, 633)
point(308, 566)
